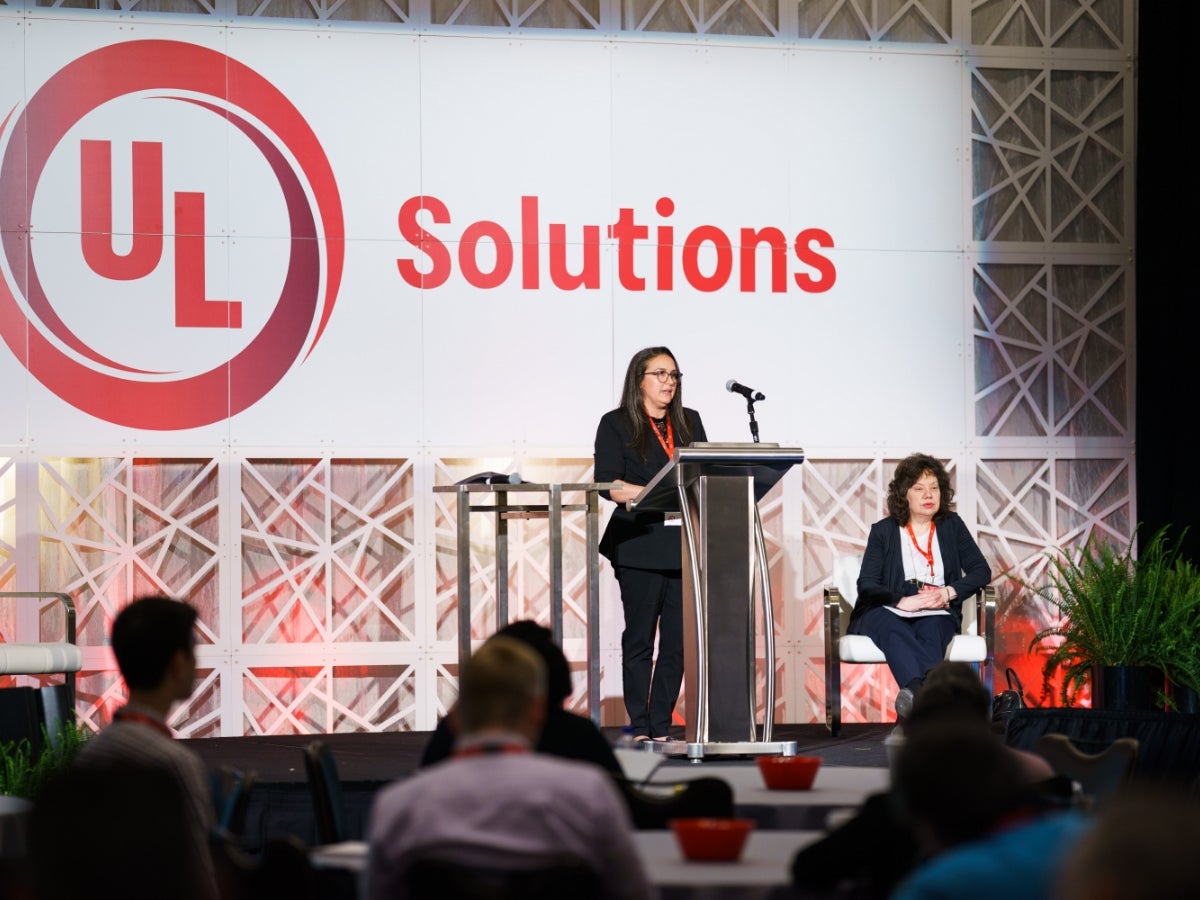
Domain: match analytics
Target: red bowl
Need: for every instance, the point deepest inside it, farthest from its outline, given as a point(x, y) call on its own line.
point(712, 840)
point(789, 773)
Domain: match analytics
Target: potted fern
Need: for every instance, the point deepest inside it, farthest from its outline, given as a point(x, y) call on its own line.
point(1178, 650)
point(1117, 616)
point(23, 769)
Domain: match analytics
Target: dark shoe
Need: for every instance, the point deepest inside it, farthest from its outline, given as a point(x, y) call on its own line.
point(904, 703)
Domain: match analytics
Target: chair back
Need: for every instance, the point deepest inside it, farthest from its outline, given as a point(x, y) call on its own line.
point(707, 797)
point(326, 789)
point(846, 567)
point(282, 871)
point(1099, 774)
point(231, 797)
point(565, 879)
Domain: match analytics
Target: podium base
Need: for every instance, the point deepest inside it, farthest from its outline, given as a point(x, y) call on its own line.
point(700, 751)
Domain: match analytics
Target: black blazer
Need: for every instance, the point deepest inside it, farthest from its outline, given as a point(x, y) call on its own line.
point(637, 540)
point(881, 578)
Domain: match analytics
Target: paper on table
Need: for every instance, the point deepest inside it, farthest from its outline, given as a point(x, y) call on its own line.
point(916, 613)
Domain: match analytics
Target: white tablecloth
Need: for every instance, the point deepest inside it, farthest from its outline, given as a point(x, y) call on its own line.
point(835, 790)
point(765, 864)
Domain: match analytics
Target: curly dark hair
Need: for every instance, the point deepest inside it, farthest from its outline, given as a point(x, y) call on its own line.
point(635, 412)
point(909, 472)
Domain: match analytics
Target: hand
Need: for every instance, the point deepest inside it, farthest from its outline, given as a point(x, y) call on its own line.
point(928, 597)
point(623, 491)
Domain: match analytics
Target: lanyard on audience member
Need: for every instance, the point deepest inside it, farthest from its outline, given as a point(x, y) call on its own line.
point(129, 715)
point(486, 749)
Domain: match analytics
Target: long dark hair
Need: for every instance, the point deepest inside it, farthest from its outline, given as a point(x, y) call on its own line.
point(635, 411)
point(908, 473)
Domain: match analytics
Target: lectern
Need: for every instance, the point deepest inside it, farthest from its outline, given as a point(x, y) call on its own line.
point(716, 489)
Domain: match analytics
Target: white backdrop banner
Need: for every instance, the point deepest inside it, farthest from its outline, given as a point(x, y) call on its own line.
point(382, 239)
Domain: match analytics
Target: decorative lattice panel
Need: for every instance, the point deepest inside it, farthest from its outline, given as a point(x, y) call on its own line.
point(759, 18)
point(1031, 507)
point(328, 699)
point(114, 528)
point(327, 551)
point(927, 22)
point(1049, 155)
point(1052, 346)
point(1031, 23)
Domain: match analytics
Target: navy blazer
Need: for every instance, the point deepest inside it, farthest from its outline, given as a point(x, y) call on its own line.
point(637, 540)
point(881, 578)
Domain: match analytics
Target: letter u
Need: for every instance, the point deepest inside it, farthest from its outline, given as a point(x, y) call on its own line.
point(96, 210)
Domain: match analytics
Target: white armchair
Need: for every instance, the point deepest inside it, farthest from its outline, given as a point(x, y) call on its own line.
point(973, 644)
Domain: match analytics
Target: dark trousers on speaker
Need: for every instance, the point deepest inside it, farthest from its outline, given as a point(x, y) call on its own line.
point(911, 646)
point(653, 603)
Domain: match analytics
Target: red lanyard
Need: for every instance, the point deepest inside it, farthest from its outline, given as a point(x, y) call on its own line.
point(669, 444)
point(927, 552)
point(489, 749)
point(128, 715)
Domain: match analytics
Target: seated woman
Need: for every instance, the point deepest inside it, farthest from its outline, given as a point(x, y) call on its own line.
point(919, 564)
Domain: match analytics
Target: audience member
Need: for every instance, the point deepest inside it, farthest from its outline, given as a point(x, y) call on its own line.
point(154, 641)
point(496, 804)
point(565, 733)
point(977, 820)
point(1141, 847)
point(113, 830)
point(875, 849)
point(953, 691)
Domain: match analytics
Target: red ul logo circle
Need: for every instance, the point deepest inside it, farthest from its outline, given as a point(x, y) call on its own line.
point(93, 380)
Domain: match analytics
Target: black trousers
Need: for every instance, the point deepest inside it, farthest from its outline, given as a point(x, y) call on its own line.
point(911, 646)
point(653, 603)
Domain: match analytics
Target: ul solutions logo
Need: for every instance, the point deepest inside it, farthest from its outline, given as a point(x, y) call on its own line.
point(111, 322)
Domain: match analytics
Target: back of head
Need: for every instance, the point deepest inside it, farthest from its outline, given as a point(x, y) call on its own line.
point(955, 781)
point(558, 670)
point(1142, 846)
point(146, 635)
point(499, 685)
point(951, 691)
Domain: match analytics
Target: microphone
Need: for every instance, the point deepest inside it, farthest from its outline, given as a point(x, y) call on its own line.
point(749, 393)
point(492, 478)
point(511, 478)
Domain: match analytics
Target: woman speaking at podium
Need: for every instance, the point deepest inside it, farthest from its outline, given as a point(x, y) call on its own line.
point(632, 444)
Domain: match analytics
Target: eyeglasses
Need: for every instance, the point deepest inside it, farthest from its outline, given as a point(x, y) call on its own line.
point(664, 376)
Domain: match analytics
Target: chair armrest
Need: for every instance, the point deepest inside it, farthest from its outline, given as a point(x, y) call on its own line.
point(67, 603)
point(833, 620)
point(833, 662)
point(985, 616)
